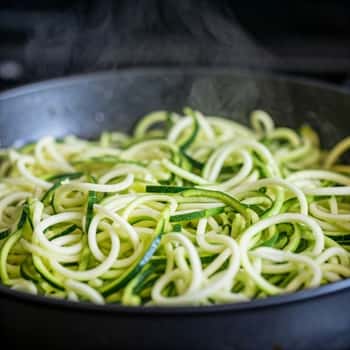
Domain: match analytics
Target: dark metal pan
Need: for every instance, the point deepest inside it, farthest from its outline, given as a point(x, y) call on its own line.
point(310, 319)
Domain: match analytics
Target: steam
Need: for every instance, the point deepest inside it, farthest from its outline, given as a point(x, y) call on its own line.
point(108, 34)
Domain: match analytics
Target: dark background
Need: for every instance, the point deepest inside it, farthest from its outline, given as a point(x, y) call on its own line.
point(46, 39)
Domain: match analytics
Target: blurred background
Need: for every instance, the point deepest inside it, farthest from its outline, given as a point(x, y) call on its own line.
point(45, 39)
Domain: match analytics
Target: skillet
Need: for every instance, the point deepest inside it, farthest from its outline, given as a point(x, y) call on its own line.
point(87, 105)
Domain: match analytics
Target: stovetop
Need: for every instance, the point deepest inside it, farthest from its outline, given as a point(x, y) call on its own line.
point(42, 40)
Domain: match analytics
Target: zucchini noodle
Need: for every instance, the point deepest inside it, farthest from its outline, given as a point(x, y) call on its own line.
point(184, 210)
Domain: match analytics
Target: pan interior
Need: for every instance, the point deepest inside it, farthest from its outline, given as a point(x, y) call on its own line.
point(86, 106)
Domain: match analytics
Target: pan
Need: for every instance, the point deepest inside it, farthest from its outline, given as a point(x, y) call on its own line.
point(316, 318)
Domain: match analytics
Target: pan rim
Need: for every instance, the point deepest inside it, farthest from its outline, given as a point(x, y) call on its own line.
point(271, 301)
point(73, 79)
point(304, 295)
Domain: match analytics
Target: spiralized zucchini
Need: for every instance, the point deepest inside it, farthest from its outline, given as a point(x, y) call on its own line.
point(185, 210)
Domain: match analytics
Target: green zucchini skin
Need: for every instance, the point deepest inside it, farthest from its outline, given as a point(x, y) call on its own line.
point(58, 180)
point(91, 200)
point(167, 189)
point(196, 215)
point(11, 239)
point(221, 196)
point(133, 270)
